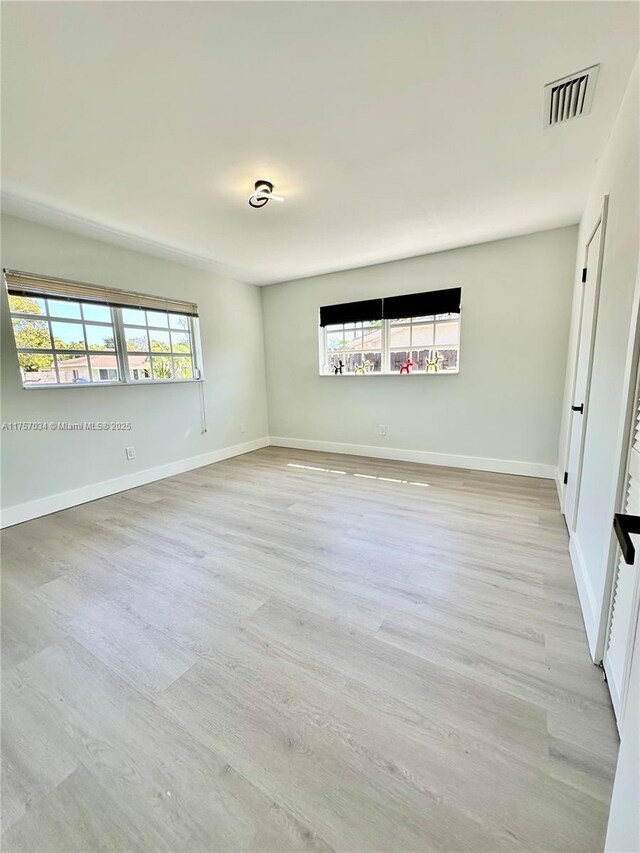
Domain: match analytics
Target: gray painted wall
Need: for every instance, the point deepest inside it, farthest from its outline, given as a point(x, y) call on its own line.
point(619, 177)
point(505, 402)
point(166, 419)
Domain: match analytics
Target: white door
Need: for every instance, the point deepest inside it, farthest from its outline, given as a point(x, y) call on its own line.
point(582, 374)
point(623, 831)
point(626, 583)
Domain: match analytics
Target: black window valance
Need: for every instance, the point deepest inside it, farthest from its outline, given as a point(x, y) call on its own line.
point(422, 304)
point(393, 307)
point(351, 312)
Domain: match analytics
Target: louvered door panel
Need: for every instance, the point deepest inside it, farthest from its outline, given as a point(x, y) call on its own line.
point(617, 652)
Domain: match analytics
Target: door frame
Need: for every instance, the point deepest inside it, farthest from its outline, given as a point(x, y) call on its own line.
point(632, 383)
point(600, 222)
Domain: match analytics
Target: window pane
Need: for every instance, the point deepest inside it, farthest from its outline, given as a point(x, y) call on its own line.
point(31, 334)
point(178, 321)
point(159, 341)
point(37, 368)
point(139, 367)
point(157, 318)
point(372, 362)
point(26, 305)
point(98, 313)
point(448, 333)
point(134, 317)
point(180, 342)
point(420, 357)
point(104, 368)
point(162, 368)
point(74, 369)
point(372, 338)
point(335, 341)
point(100, 337)
point(337, 363)
point(67, 335)
point(400, 337)
point(349, 339)
point(136, 340)
point(397, 359)
point(422, 335)
point(64, 308)
point(450, 359)
point(182, 368)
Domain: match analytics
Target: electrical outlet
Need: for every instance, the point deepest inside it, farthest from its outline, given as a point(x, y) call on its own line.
point(242, 427)
point(382, 429)
point(131, 453)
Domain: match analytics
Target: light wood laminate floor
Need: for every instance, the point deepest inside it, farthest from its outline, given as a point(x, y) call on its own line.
point(300, 651)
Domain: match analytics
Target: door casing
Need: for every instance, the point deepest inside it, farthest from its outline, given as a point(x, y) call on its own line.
point(602, 224)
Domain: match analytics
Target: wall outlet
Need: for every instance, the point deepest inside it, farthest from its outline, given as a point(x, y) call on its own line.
point(242, 427)
point(382, 429)
point(131, 452)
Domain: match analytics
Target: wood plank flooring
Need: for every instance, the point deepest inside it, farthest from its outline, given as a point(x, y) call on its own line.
point(300, 651)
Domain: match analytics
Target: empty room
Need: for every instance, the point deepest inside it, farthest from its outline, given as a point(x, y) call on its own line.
point(320, 444)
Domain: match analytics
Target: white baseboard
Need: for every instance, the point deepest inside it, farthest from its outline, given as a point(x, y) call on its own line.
point(559, 486)
point(476, 463)
point(586, 594)
point(63, 500)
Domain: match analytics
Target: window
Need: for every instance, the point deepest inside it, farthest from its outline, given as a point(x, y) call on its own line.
point(355, 346)
point(393, 339)
point(71, 334)
point(159, 345)
point(431, 343)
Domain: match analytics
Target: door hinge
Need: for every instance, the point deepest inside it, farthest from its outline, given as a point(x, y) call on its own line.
point(584, 275)
point(565, 479)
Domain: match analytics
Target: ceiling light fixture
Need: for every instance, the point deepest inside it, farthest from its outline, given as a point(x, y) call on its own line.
point(262, 193)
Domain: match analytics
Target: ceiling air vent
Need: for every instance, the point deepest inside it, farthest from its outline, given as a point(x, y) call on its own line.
point(570, 97)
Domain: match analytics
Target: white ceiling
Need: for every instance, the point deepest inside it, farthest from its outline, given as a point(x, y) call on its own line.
point(393, 129)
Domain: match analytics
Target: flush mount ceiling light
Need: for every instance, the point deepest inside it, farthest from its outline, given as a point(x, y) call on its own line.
point(262, 194)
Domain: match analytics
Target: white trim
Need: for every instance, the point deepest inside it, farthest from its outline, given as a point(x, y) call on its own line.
point(588, 600)
point(622, 451)
point(559, 485)
point(616, 699)
point(425, 457)
point(34, 211)
point(63, 500)
point(599, 261)
point(378, 374)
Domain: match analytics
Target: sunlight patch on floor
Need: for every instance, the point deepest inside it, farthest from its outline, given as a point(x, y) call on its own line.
point(362, 476)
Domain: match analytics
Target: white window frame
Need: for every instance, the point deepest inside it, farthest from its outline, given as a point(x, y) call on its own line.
point(325, 352)
point(120, 351)
point(387, 349)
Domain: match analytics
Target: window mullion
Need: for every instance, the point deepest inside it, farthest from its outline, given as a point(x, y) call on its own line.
point(386, 355)
point(120, 344)
point(196, 348)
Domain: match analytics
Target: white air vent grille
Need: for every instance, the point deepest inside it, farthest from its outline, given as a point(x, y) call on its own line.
point(570, 97)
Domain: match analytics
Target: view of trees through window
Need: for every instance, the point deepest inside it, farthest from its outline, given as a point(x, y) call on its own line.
point(62, 341)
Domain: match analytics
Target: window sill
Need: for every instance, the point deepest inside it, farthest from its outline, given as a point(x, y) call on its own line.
point(135, 384)
point(380, 375)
